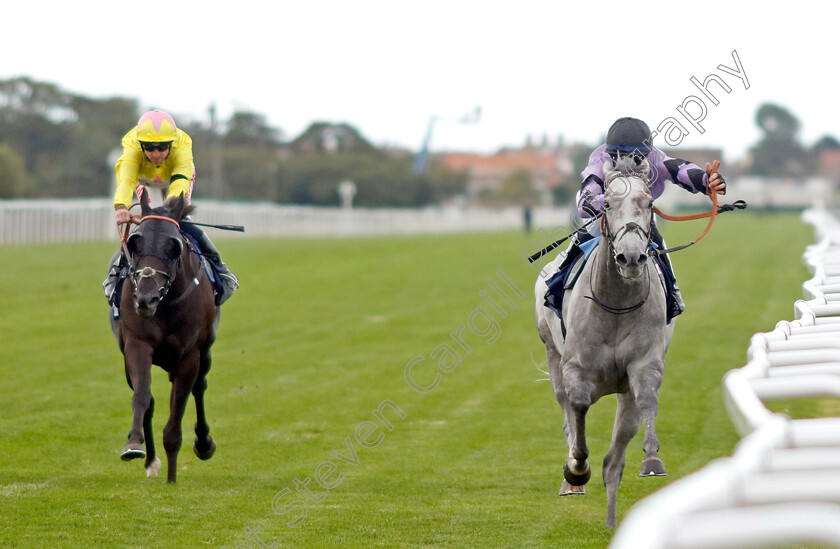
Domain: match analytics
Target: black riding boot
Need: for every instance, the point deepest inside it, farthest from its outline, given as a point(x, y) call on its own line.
point(227, 280)
point(676, 305)
point(116, 266)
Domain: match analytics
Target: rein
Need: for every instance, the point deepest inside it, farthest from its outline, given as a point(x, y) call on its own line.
point(711, 214)
point(193, 284)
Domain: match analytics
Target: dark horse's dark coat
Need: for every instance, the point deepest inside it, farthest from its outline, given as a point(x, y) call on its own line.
point(167, 317)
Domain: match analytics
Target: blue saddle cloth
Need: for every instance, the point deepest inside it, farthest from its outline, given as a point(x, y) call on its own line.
point(567, 274)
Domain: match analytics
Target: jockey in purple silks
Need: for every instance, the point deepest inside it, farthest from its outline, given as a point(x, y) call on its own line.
point(632, 137)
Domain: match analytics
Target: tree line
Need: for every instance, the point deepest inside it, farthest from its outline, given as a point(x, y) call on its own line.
point(56, 144)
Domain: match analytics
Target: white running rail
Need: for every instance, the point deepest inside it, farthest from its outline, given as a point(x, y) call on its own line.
point(43, 221)
point(782, 483)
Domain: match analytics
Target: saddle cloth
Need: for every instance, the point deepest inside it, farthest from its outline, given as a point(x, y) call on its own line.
point(568, 273)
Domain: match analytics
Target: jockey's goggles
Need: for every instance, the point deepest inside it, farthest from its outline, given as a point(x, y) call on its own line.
point(156, 146)
point(636, 154)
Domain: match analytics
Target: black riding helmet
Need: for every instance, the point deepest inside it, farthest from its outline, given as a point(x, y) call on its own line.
point(629, 137)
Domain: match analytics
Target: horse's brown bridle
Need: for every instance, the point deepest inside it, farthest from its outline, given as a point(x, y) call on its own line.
point(136, 275)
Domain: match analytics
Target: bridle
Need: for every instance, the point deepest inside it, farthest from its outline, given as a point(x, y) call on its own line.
point(629, 227)
point(612, 239)
point(138, 275)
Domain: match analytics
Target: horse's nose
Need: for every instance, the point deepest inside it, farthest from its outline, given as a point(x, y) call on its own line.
point(631, 260)
point(146, 306)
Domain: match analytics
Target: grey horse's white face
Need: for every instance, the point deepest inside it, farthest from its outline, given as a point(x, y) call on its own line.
point(629, 205)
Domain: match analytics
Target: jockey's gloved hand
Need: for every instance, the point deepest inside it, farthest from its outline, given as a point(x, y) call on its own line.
point(122, 215)
point(716, 183)
point(598, 203)
point(592, 199)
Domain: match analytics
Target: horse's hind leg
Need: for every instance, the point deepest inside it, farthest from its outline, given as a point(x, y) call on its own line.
point(626, 426)
point(204, 445)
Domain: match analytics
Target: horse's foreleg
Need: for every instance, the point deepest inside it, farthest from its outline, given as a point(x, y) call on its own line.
point(646, 388)
point(152, 462)
point(579, 395)
point(626, 426)
point(138, 367)
point(568, 417)
point(182, 385)
point(204, 445)
point(556, 379)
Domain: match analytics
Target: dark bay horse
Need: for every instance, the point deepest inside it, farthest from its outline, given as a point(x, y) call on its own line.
point(616, 337)
point(167, 317)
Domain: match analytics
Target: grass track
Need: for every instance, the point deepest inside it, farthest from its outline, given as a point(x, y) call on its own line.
point(318, 336)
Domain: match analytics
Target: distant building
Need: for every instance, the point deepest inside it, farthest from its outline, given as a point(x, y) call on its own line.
point(829, 164)
point(486, 172)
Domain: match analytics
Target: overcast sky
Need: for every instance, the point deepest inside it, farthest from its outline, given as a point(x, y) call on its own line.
point(536, 68)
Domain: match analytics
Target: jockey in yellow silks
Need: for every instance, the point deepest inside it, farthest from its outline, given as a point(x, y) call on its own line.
point(158, 156)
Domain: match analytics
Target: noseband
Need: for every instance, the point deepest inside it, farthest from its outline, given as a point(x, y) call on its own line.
point(137, 276)
point(631, 227)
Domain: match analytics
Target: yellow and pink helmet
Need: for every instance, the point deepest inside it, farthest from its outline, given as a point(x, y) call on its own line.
point(156, 127)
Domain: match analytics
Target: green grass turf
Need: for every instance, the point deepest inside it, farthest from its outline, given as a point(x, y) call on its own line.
point(317, 337)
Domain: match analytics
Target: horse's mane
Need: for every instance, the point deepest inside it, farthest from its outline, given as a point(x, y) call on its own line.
point(625, 165)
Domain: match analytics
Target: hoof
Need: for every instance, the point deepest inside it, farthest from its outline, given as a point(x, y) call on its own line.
point(567, 489)
point(132, 450)
point(153, 468)
point(652, 467)
point(205, 454)
point(576, 479)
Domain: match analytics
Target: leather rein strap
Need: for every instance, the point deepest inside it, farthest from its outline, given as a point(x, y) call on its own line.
point(712, 214)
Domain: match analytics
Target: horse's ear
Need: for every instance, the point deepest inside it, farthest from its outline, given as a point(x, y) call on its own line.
point(644, 168)
point(135, 243)
point(176, 206)
point(145, 209)
point(608, 168)
point(186, 207)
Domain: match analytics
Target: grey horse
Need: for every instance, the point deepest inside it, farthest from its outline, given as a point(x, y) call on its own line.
point(616, 335)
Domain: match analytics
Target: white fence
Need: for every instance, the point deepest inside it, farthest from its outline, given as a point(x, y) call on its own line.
point(41, 221)
point(782, 484)
point(761, 193)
